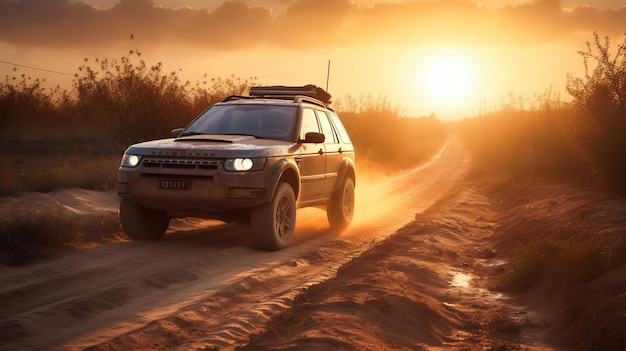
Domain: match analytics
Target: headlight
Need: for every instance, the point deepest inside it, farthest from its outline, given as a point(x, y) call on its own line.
point(244, 164)
point(129, 160)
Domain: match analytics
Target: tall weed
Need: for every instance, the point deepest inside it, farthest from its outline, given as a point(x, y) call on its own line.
point(598, 121)
point(571, 263)
point(522, 144)
point(44, 173)
point(382, 136)
point(26, 236)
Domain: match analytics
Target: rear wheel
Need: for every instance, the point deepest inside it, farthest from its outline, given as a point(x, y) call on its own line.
point(142, 223)
point(274, 223)
point(340, 209)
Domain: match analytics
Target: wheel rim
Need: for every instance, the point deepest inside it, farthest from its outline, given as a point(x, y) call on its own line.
point(348, 203)
point(284, 218)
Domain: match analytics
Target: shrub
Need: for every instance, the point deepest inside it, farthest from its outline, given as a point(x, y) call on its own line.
point(52, 138)
point(43, 173)
point(25, 236)
point(381, 135)
point(519, 143)
point(568, 262)
point(599, 121)
point(24, 102)
point(584, 139)
point(130, 102)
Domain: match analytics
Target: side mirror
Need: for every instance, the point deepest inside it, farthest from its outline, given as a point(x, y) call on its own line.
point(176, 132)
point(313, 137)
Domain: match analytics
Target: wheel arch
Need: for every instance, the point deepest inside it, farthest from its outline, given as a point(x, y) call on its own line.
point(286, 172)
point(347, 170)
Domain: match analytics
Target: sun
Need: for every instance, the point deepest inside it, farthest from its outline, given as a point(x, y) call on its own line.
point(446, 79)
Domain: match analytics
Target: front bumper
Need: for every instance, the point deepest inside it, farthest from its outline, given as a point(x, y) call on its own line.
point(210, 192)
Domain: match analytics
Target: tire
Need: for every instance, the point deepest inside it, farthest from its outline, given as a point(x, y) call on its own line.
point(141, 223)
point(340, 209)
point(273, 223)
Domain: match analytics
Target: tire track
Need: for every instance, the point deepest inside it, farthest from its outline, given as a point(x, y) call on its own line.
point(204, 286)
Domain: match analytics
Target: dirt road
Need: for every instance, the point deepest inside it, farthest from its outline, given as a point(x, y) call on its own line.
point(204, 285)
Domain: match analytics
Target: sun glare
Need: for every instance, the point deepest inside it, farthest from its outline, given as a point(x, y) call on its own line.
point(447, 79)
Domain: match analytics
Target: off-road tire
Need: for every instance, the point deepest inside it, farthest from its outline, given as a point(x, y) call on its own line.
point(340, 209)
point(273, 223)
point(141, 223)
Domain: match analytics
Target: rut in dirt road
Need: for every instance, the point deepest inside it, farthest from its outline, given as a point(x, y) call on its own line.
point(203, 285)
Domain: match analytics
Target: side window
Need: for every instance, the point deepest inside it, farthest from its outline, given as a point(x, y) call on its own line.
point(326, 128)
point(309, 122)
point(340, 128)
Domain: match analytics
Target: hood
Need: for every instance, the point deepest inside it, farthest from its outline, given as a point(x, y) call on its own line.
point(219, 146)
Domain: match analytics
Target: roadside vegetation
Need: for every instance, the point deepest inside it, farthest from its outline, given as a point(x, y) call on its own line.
point(386, 140)
point(580, 139)
point(53, 138)
point(573, 262)
point(26, 236)
point(582, 142)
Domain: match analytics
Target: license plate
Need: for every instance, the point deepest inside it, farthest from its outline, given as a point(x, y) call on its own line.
point(174, 184)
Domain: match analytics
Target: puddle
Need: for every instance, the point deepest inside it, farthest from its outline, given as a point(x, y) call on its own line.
point(461, 280)
point(496, 262)
point(521, 319)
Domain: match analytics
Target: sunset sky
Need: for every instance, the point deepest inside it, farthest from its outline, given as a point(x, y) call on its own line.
point(447, 57)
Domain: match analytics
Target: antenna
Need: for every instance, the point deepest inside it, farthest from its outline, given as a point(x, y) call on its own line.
point(327, 75)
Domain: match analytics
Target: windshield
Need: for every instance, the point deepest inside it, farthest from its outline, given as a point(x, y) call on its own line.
point(258, 120)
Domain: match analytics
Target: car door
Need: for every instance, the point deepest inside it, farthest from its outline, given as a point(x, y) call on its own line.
point(334, 156)
point(311, 160)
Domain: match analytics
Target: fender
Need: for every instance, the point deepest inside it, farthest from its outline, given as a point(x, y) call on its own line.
point(276, 174)
point(347, 169)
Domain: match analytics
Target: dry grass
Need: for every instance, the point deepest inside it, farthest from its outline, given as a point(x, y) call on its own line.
point(384, 138)
point(26, 236)
point(570, 262)
point(44, 173)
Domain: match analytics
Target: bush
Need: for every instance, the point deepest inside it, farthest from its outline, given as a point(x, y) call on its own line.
point(43, 173)
point(53, 138)
point(24, 237)
point(382, 136)
point(124, 100)
point(131, 102)
point(25, 103)
point(519, 143)
point(584, 139)
point(568, 262)
point(599, 121)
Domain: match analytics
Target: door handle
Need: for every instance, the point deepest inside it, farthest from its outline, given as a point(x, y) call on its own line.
point(321, 152)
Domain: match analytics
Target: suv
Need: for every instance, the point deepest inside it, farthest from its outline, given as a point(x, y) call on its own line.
point(252, 159)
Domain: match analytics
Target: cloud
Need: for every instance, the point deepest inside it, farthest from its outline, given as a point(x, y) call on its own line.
point(305, 24)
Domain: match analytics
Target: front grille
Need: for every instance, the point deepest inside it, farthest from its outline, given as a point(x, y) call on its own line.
point(181, 163)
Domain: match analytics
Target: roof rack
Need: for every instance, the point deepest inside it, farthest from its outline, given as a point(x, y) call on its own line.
point(296, 98)
point(301, 98)
point(277, 91)
point(308, 93)
point(270, 91)
point(237, 97)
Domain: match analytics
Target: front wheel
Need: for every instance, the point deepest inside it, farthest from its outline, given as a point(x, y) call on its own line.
point(142, 223)
point(274, 222)
point(340, 209)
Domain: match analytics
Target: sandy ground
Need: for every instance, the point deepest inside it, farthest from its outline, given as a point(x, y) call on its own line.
point(418, 269)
